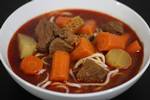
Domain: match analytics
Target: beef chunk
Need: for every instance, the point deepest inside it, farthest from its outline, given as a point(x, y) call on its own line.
point(59, 44)
point(44, 34)
point(69, 37)
point(72, 39)
point(113, 27)
point(56, 30)
point(47, 31)
point(74, 25)
point(68, 31)
point(91, 72)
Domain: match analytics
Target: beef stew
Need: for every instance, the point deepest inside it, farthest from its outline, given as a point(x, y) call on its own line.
point(88, 65)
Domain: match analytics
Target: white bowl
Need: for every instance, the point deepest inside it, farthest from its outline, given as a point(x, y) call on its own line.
point(38, 7)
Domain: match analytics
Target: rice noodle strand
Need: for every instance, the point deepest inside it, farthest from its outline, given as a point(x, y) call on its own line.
point(52, 19)
point(44, 81)
point(39, 54)
point(41, 71)
point(61, 85)
point(44, 61)
point(72, 75)
point(57, 83)
point(46, 84)
point(73, 84)
point(98, 58)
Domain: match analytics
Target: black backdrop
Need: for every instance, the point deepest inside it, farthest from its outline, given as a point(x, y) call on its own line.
point(10, 90)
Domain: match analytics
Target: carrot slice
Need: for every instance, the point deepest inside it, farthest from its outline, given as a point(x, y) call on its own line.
point(83, 49)
point(61, 21)
point(89, 27)
point(31, 65)
point(106, 41)
point(134, 47)
point(60, 66)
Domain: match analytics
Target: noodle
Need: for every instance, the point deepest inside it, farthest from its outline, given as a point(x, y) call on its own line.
point(72, 75)
point(44, 61)
point(57, 83)
point(41, 71)
point(46, 84)
point(44, 81)
point(100, 55)
point(98, 58)
point(61, 85)
point(52, 19)
point(73, 85)
point(39, 54)
point(43, 57)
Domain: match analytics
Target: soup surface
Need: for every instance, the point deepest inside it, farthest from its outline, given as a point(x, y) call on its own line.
point(75, 51)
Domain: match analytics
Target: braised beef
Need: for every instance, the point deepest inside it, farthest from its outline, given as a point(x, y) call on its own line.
point(68, 31)
point(59, 44)
point(55, 29)
point(113, 27)
point(91, 72)
point(69, 37)
point(44, 34)
point(74, 25)
point(72, 39)
point(46, 31)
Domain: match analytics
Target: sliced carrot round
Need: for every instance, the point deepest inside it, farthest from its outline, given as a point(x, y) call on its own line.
point(31, 65)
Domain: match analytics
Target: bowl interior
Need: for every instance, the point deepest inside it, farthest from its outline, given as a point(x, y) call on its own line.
point(36, 8)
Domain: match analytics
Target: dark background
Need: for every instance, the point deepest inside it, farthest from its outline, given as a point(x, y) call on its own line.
point(10, 90)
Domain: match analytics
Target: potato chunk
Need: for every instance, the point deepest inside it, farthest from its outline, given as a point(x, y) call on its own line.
point(27, 45)
point(118, 58)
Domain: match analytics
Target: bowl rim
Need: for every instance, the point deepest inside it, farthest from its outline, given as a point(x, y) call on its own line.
point(15, 76)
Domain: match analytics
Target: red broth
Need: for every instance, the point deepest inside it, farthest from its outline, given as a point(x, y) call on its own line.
point(29, 29)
